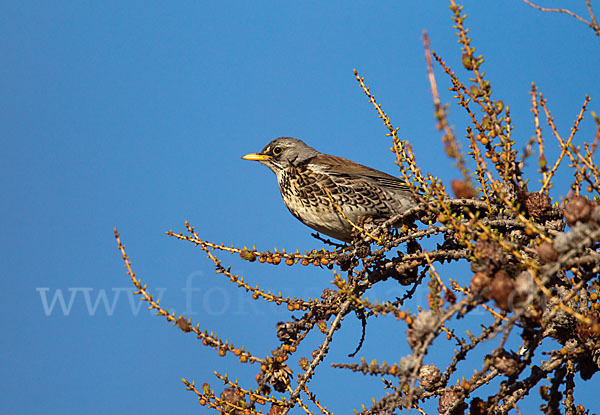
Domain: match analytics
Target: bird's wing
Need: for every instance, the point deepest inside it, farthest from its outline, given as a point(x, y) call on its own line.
point(343, 168)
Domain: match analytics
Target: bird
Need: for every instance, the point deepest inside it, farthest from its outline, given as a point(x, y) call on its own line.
point(309, 180)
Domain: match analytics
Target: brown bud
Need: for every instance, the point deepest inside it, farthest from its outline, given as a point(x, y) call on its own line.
point(468, 61)
point(248, 255)
point(450, 297)
point(450, 150)
point(478, 407)
point(480, 283)
point(183, 324)
point(463, 189)
point(586, 331)
point(546, 252)
point(485, 122)
point(303, 363)
point(578, 209)
point(501, 288)
point(465, 385)
point(234, 397)
point(475, 91)
point(276, 409)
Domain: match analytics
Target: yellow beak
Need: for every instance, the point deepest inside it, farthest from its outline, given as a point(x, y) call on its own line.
point(256, 157)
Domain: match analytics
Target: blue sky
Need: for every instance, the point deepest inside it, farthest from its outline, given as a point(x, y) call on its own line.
point(135, 115)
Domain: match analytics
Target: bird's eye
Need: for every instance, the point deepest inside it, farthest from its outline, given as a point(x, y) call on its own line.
point(277, 151)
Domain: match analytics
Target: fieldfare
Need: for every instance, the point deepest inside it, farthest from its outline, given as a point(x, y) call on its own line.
point(359, 191)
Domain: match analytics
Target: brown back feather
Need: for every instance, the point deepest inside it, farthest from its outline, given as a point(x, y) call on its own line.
point(341, 167)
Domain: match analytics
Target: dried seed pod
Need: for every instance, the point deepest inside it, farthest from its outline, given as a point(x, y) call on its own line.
point(430, 377)
point(277, 409)
point(556, 223)
point(233, 397)
point(546, 252)
point(280, 377)
point(524, 288)
point(407, 365)
point(328, 295)
point(501, 288)
point(463, 189)
point(450, 297)
point(423, 325)
point(363, 251)
point(507, 363)
point(452, 400)
point(578, 209)
point(344, 261)
point(480, 284)
point(287, 332)
point(478, 407)
point(489, 257)
point(587, 331)
point(507, 190)
point(539, 205)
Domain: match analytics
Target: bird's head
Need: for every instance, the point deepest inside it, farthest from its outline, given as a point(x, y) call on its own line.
point(283, 153)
